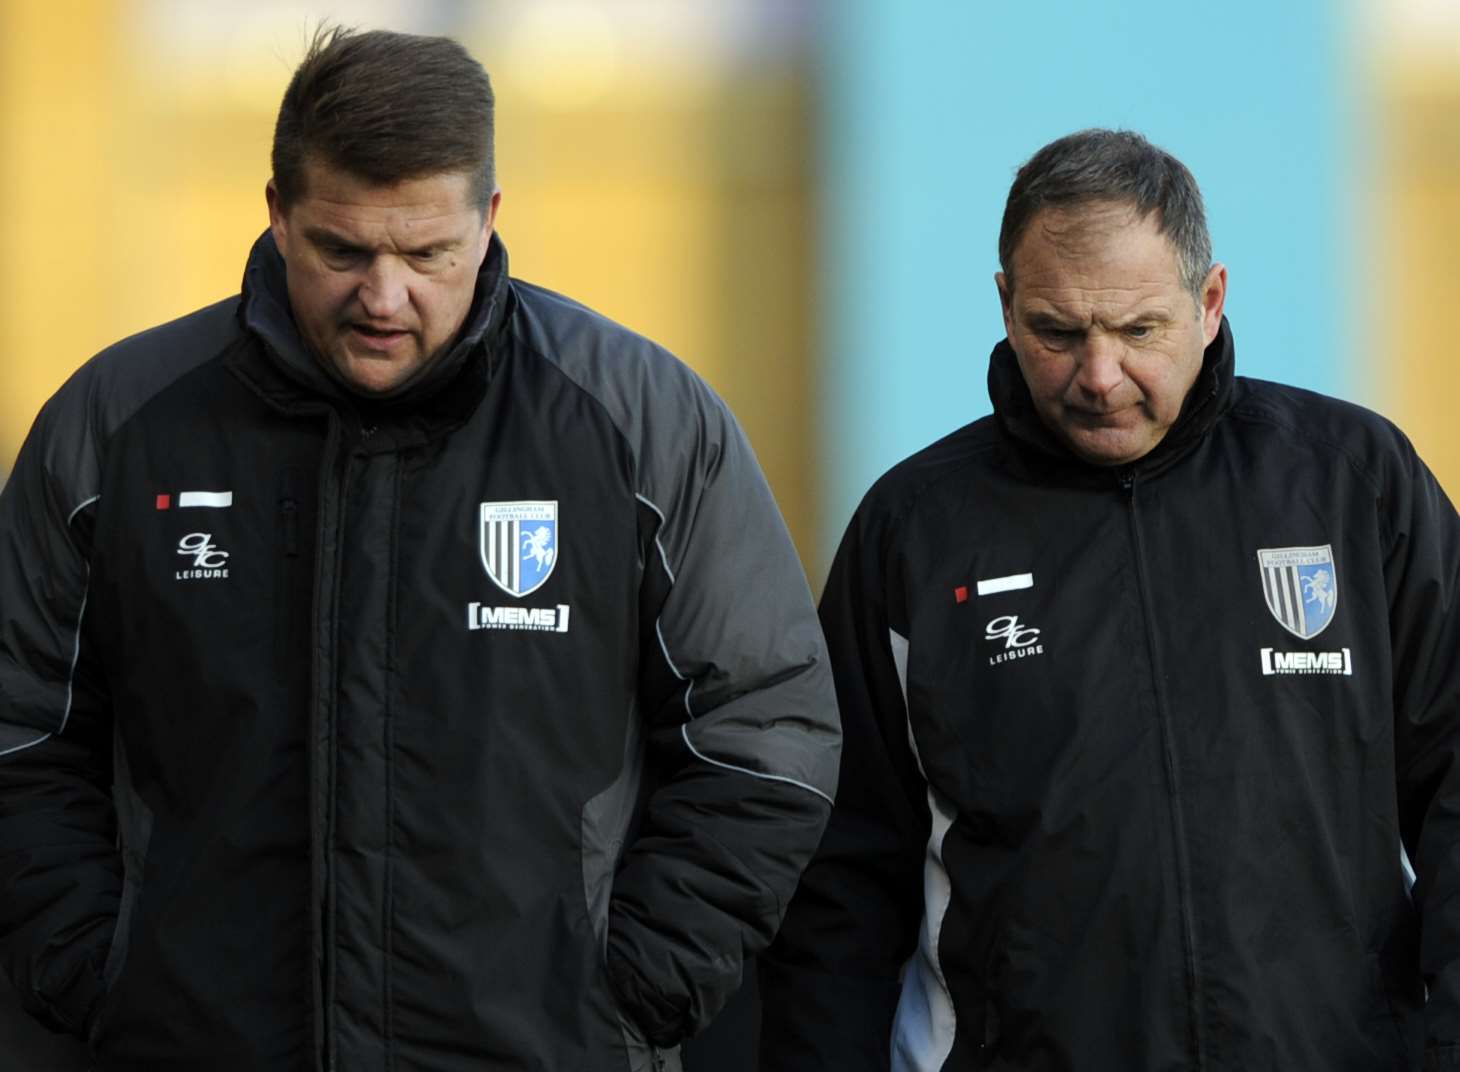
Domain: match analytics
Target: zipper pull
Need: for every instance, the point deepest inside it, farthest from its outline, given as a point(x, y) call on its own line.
point(1127, 478)
point(289, 508)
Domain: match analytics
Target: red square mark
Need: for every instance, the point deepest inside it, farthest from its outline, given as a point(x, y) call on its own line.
point(960, 594)
point(164, 502)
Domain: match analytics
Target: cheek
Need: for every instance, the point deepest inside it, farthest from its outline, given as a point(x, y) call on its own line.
point(444, 303)
point(1165, 388)
point(320, 296)
point(1046, 373)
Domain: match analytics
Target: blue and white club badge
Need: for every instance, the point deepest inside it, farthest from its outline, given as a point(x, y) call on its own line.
point(519, 544)
point(1300, 585)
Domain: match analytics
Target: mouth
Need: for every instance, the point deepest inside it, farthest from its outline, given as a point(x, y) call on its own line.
point(1097, 416)
point(379, 339)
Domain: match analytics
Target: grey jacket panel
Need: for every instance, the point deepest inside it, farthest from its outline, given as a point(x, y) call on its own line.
point(698, 475)
point(744, 717)
point(58, 860)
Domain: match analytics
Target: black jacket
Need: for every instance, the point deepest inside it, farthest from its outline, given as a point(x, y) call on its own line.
point(1136, 759)
point(487, 725)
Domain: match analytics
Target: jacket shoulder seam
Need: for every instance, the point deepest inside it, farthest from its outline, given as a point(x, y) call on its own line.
point(905, 500)
point(1259, 414)
point(598, 403)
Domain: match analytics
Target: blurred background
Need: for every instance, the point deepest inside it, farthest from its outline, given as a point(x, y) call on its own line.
point(800, 199)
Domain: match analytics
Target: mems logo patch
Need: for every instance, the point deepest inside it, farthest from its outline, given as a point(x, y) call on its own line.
point(1307, 662)
point(531, 619)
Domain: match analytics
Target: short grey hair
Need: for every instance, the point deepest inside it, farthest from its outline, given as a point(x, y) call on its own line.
point(1120, 166)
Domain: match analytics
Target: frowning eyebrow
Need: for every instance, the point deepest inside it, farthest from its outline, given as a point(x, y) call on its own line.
point(1046, 320)
point(324, 237)
point(1043, 321)
point(333, 240)
point(1157, 315)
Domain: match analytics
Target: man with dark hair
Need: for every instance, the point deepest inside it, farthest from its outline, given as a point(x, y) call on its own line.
point(1149, 693)
point(401, 665)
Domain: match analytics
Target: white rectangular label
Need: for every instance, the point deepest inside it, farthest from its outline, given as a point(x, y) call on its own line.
point(205, 498)
point(533, 619)
point(1307, 662)
point(1011, 583)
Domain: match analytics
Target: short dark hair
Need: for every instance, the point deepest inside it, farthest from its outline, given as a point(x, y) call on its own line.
point(1111, 165)
point(385, 107)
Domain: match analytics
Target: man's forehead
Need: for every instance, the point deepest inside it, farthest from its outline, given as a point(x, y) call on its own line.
point(323, 181)
point(1086, 224)
point(1093, 248)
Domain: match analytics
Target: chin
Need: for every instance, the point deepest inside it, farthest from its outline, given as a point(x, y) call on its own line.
point(364, 376)
point(1108, 453)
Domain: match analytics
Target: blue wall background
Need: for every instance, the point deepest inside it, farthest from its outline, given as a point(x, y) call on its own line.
point(930, 107)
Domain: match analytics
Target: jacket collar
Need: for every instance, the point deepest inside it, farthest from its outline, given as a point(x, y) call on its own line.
point(265, 312)
point(1205, 403)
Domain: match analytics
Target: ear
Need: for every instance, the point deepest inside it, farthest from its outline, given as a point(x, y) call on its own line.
point(278, 223)
point(489, 223)
point(1006, 302)
point(1213, 301)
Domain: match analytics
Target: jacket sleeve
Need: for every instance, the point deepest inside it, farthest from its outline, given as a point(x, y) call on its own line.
point(1423, 578)
point(60, 873)
point(830, 982)
point(737, 697)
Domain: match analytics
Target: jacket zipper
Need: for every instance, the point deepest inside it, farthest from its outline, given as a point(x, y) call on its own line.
point(1173, 782)
point(334, 483)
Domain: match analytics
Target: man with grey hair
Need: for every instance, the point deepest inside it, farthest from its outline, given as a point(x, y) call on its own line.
point(380, 683)
point(1149, 693)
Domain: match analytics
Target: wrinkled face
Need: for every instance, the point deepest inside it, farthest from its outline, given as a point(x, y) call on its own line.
point(1108, 339)
point(380, 277)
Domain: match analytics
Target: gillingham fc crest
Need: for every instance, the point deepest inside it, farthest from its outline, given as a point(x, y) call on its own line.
point(1300, 585)
point(519, 543)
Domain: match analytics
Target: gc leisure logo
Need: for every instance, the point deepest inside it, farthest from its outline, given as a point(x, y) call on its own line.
point(1020, 641)
point(208, 562)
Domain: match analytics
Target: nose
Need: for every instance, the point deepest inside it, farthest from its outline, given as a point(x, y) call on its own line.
point(1100, 369)
point(383, 291)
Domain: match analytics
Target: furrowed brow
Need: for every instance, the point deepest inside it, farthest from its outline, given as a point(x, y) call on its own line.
point(1044, 319)
point(440, 244)
point(323, 236)
point(1147, 317)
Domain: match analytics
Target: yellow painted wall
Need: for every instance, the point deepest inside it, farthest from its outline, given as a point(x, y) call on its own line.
point(673, 196)
point(1416, 206)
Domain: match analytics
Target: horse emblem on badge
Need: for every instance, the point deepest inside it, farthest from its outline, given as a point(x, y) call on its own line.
point(1300, 585)
point(519, 543)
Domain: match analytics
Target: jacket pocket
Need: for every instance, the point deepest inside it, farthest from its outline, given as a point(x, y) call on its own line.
point(134, 819)
point(992, 970)
point(643, 1055)
point(1405, 1011)
point(116, 957)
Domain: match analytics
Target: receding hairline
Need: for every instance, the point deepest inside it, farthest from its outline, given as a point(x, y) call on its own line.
point(1119, 166)
point(1093, 218)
